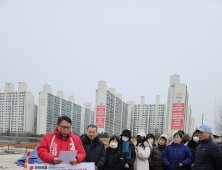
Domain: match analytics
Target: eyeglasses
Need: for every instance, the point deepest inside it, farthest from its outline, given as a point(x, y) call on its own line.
point(65, 128)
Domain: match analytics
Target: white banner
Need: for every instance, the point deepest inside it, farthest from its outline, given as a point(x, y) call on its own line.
point(81, 166)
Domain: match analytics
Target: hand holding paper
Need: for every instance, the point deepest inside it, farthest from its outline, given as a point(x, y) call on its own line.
point(67, 156)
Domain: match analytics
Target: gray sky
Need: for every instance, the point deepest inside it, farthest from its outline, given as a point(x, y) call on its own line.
point(135, 46)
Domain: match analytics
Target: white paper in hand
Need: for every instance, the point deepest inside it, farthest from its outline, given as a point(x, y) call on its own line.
point(67, 156)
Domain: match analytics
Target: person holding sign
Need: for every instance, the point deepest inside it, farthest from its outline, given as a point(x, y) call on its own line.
point(61, 140)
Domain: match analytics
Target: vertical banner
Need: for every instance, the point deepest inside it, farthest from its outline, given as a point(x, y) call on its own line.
point(177, 116)
point(100, 116)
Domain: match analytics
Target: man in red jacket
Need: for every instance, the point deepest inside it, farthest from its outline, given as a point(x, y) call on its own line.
point(62, 139)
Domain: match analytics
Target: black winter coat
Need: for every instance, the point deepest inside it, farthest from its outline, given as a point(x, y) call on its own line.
point(208, 156)
point(156, 157)
point(114, 159)
point(133, 155)
point(193, 147)
point(150, 166)
point(220, 145)
point(95, 151)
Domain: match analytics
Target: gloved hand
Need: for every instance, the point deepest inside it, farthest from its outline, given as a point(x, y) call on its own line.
point(96, 168)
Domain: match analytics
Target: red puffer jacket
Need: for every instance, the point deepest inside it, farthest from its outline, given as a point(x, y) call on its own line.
point(52, 143)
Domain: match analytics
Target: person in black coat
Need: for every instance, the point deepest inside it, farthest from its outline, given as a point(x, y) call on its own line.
point(193, 144)
point(208, 154)
point(94, 147)
point(128, 149)
point(151, 139)
point(114, 156)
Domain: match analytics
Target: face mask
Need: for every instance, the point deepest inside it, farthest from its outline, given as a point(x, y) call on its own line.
point(125, 138)
point(150, 140)
point(140, 141)
point(113, 145)
point(196, 139)
point(217, 140)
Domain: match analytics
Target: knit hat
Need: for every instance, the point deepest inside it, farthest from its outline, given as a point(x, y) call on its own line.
point(141, 133)
point(150, 135)
point(126, 132)
point(166, 136)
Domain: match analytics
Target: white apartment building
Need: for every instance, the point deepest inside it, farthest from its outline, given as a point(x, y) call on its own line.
point(192, 128)
point(111, 113)
point(51, 107)
point(178, 115)
point(35, 114)
point(87, 117)
point(16, 109)
point(146, 117)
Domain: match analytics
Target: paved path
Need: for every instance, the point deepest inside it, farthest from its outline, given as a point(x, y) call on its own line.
point(7, 162)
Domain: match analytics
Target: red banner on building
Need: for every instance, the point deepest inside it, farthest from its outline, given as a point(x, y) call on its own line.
point(100, 116)
point(177, 116)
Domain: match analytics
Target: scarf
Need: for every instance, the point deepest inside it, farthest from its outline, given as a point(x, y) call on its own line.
point(127, 151)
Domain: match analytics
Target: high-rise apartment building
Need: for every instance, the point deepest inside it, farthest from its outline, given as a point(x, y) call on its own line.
point(111, 113)
point(16, 109)
point(178, 115)
point(35, 114)
point(192, 128)
point(51, 107)
point(150, 118)
point(87, 117)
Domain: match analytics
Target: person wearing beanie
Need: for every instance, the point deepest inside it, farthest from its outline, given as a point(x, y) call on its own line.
point(150, 139)
point(128, 148)
point(193, 144)
point(142, 151)
point(156, 153)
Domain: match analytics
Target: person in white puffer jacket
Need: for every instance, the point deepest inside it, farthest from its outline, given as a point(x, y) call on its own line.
point(143, 149)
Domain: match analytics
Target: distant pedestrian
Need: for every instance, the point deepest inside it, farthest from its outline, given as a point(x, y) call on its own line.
point(128, 149)
point(156, 153)
point(193, 144)
point(177, 156)
point(114, 155)
point(218, 138)
point(143, 149)
point(208, 154)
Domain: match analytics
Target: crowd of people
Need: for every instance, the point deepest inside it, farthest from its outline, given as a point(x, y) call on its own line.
point(200, 153)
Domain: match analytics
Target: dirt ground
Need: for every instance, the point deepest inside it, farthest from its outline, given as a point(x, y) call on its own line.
point(29, 145)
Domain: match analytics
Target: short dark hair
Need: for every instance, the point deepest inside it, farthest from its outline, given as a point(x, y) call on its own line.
point(113, 138)
point(92, 126)
point(163, 138)
point(179, 134)
point(64, 117)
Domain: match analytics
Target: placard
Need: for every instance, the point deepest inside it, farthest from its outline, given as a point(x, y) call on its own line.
point(81, 166)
